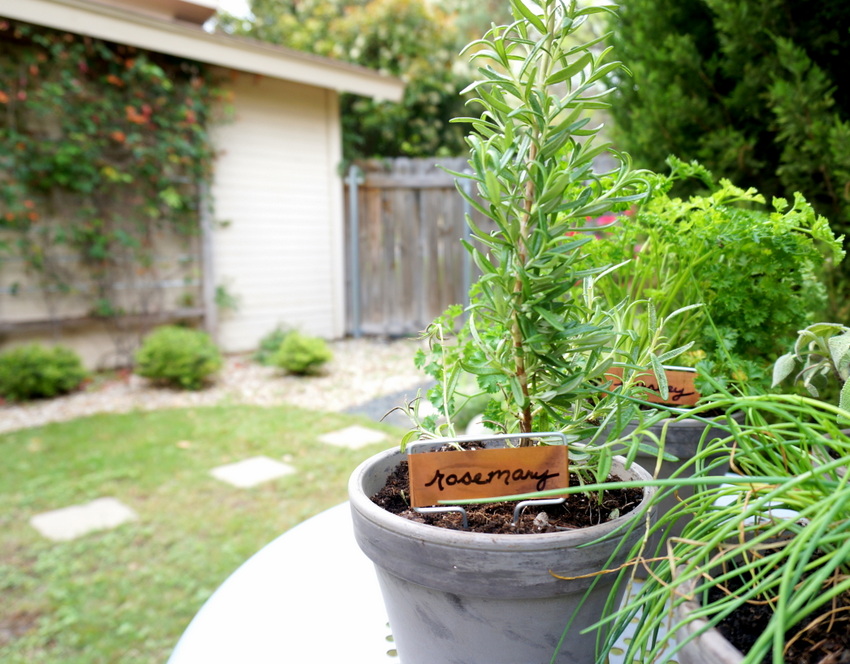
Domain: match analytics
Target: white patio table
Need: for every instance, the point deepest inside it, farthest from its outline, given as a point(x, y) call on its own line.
point(308, 597)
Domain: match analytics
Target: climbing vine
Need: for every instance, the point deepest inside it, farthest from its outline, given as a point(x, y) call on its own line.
point(104, 149)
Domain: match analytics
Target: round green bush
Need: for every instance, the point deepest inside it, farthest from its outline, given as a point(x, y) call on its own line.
point(302, 355)
point(269, 345)
point(35, 371)
point(178, 357)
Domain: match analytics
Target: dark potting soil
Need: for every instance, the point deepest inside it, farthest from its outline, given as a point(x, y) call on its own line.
point(821, 638)
point(579, 511)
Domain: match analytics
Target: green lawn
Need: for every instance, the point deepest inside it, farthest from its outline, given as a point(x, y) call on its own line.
point(126, 595)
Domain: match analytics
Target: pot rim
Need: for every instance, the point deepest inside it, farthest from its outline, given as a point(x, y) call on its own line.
point(707, 640)
point(485, 541)
point(738, 416)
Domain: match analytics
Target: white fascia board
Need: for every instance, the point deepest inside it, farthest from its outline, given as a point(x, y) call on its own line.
point(191, 42)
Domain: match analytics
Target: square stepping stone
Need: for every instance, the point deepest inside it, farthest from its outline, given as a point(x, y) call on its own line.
point(353, 437)
point(75, 521)
point(250, 472)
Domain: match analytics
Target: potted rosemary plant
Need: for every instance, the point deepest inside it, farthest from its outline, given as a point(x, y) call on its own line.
point(476, 597)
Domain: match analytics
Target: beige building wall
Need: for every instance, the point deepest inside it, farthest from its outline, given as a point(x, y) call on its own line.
point(276, 183)
point(277, 196)
point(277, 242)
point(171, 284)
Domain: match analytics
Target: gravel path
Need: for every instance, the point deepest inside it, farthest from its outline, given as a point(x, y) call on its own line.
point(365, 375)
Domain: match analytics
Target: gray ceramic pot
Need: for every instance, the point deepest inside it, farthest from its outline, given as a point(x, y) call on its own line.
point(681, 441)
point(456, 597)
point(701, 646)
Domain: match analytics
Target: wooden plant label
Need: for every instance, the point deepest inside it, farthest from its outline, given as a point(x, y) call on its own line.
point(680, 385)
point(458, 475)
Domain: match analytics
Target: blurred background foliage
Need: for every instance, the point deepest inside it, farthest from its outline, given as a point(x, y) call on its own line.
point(755, 90)
point(416, 40)
point(752, 89)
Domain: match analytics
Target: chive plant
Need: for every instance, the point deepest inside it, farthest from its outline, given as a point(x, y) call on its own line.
point(776, 533)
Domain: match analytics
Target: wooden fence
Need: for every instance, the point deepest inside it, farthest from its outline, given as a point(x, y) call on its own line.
point(406, 263)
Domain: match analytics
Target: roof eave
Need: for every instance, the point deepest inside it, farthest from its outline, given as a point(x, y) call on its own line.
point(188, 41)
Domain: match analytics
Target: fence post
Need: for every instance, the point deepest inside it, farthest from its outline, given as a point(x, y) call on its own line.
point(466, 184)
point(354, 181)
point(208, 287)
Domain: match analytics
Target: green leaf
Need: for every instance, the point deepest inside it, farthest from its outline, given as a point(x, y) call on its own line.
point(844, 397)
point(409, 437)
point(675, 352)
point(653, 317)
point(553, 320)
point(839, 347)
point(495, 101)
point(567, 73)
point(516, 390)
point(660, 376)
point(171, 197)
point(520, 8)
point(603, 71)
point(596, 9)
point(783, 367)
point(605, 462)
point(682, 310)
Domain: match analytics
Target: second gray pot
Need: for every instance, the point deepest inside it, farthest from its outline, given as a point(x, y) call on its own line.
point(682, 441)
point(701, 645)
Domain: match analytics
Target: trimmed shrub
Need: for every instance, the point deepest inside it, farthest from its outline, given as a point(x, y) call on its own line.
point(35, 371)
point(269, 345)
point(178, 356)
point(302, 355)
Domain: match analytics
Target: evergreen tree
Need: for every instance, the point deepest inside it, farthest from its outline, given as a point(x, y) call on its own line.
point(756, 90)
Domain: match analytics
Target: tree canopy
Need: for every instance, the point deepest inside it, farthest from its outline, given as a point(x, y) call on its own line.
point(416, 40)
point(753, 89)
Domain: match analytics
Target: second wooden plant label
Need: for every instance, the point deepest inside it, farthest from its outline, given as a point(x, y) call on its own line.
point(680, 386)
